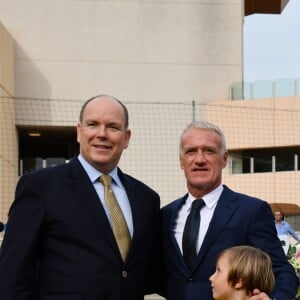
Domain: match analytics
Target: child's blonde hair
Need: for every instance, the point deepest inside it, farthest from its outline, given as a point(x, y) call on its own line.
point(251, 267)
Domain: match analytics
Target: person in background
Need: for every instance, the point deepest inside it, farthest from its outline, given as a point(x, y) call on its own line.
point(283, 227)
point(71, 234)
point(239, 271)
point(224, 217)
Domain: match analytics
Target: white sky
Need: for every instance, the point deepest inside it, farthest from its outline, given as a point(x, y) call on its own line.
point(272, 44)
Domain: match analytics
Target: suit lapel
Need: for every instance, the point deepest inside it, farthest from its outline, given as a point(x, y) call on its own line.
point(135, 196)
point(222, 214)
point(84, 191)
point(172, 219)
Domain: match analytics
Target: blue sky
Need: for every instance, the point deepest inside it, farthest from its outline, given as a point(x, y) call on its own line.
point(272, 44)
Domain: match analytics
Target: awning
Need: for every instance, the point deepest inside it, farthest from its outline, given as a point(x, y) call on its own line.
point(264, 6)
point(286, 208)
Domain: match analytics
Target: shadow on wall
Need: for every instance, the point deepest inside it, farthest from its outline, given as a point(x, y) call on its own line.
point(29, 78)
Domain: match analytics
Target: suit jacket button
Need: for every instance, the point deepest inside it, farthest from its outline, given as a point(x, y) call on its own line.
point(124, 274)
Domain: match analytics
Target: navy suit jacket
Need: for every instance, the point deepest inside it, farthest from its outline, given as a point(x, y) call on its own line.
point(238, 219)
point(59, 244)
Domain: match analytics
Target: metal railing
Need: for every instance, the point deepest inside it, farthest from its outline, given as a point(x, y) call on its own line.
point(284, 87)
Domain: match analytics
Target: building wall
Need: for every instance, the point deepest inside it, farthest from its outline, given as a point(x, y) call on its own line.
point(136, 50)
point(276, 187)
point(260, 123)
point(143, 51)
point(58, 54)
point(8, 137)
point(7, 75)
point(153, 153)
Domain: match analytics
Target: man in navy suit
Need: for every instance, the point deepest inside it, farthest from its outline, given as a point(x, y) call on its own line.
point(227, 219)
point(59, 243)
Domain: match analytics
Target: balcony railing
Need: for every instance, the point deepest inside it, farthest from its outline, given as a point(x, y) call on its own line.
point(284, 87)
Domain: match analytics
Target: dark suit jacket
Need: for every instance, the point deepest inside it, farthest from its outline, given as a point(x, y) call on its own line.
point(238, 220)
point(59, 244)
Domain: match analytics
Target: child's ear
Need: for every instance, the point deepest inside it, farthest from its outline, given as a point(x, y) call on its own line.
point(239, 284)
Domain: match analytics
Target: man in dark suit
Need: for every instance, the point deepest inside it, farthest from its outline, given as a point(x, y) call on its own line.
point(226, 219)
point(59, 243)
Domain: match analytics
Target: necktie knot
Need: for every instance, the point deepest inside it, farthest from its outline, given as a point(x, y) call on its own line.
point(105, 180)
point(197, 204)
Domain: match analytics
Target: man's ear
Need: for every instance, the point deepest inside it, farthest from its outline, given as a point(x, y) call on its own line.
point(225, 159)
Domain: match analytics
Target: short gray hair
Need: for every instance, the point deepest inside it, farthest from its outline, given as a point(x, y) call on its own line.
point(202, 124)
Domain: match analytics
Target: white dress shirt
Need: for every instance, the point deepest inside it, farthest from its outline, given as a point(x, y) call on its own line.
point(117, 188)
point(206, 214)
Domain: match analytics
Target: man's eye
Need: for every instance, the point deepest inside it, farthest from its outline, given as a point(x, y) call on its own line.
point(188, 151)
point(113, 127)
point(209, 151)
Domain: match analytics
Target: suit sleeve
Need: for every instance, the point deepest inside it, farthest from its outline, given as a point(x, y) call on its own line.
point(21, 243)
point(263, 235)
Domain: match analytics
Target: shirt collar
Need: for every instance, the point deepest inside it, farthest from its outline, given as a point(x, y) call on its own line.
point(94, 174)
point(209, 199)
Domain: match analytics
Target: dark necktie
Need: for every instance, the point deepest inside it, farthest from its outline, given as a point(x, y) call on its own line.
point(118, 222)
point(190, 233)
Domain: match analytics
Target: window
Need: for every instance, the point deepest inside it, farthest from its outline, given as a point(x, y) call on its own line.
point(40, 147)
point(265, 160)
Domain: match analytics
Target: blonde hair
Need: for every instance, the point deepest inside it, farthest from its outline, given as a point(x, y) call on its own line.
point(250, 266)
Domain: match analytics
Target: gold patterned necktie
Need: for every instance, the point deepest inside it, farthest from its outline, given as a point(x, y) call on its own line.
point(118, 222)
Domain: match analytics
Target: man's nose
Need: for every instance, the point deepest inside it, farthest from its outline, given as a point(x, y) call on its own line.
point(101, 131)
point(200, 156)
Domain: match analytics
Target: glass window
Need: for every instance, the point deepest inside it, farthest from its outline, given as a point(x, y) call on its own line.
point(265, 160)
point(40, 147)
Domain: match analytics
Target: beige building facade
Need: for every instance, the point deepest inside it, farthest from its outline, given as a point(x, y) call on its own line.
point(8, 133)
point(143, 51)
point(170, 61)
point(136, 50)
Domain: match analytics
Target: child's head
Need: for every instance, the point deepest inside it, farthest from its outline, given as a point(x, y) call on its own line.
point(242, 268)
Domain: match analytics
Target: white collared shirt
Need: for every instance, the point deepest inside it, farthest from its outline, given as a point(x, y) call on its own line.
point(117, 188)
point(206, 214)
